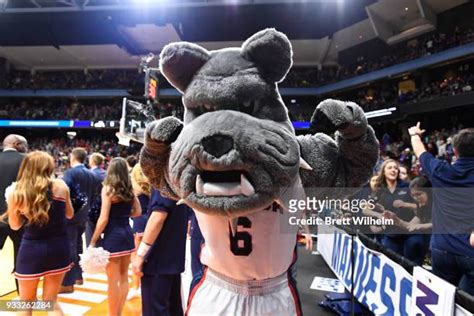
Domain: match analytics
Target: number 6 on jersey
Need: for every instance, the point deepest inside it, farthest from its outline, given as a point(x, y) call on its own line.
point(241, 243)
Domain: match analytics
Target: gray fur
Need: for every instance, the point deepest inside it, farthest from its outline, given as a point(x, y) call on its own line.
point(228, 81)
point(271, 51)
point(232, 93)
point(267, 152)
point(155, 154)
point(180, 61)
point(346, 162)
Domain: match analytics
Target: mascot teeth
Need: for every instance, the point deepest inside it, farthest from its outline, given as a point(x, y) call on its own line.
point(224, 188)
point(246, 186)
point(199, 185)
point(221, 189)
point(304, 164)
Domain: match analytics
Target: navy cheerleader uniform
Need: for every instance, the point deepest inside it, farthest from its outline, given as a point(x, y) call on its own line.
point(118, 235)
point(139, 223)
point(44, 250)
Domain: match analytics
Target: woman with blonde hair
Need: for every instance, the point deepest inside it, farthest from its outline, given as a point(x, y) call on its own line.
point(41, 204)
point(119, 203)
point(142, 189)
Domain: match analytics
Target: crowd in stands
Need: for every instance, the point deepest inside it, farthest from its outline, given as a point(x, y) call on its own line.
point(298, 77)
point(80, 109)
point(61, 147)
point(388, 96)
point(92, 79)
point(61, 109)
point(438, 143)
point(422, 46)
point(377, 96)
point(383, 95)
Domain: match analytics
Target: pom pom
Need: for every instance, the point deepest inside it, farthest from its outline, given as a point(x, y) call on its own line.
point(9, 190)
point(94, 260)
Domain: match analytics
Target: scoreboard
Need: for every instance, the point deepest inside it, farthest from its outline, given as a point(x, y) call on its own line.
point(151, 85)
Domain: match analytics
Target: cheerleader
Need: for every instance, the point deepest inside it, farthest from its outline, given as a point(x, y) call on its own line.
point(41, 205)
point(119, 203)
point(142, 189)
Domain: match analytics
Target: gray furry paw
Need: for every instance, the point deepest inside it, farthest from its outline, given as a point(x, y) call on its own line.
point(346, 117)
point(163, 131)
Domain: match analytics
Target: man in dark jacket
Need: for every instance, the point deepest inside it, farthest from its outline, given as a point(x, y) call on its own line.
point(82, 184)
point(96, 162)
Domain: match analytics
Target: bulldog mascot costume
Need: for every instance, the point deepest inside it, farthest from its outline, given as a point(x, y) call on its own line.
point(237, 162)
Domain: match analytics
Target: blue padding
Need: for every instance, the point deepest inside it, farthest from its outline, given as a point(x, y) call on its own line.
point(35, 123)
point(300, 125)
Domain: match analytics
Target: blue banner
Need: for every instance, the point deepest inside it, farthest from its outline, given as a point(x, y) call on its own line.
point(381, 284)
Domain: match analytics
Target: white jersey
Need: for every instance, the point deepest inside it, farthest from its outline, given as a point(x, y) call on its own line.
point(263, 246)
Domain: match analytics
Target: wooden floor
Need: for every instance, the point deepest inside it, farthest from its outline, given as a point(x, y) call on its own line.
point(87, 299)
point(7, 281)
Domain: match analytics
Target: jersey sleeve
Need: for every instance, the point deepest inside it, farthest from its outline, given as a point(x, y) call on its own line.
point(159, 203)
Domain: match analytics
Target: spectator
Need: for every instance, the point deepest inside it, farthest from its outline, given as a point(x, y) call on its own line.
point(404, 173)
point(369, 192)
point(419, 227)
point(442, 154)
point(392, 195)
point(96, 163)
point(405, 159)
point(451, 253)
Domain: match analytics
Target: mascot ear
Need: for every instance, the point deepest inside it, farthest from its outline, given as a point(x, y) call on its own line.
point(271, 51)
point(179, 62)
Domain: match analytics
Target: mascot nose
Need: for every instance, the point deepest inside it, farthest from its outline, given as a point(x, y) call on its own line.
point(218, 145)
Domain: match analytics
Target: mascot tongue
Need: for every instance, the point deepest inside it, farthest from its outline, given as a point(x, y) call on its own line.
point(224, 188)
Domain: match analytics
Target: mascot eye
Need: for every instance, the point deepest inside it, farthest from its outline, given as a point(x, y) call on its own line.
point(248, 107)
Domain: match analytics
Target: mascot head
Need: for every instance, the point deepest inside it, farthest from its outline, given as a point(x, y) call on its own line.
point(237, 148)
point(236, 152)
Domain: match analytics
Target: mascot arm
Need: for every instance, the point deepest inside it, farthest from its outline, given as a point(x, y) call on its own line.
point(347, 161)
point(154, 155)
